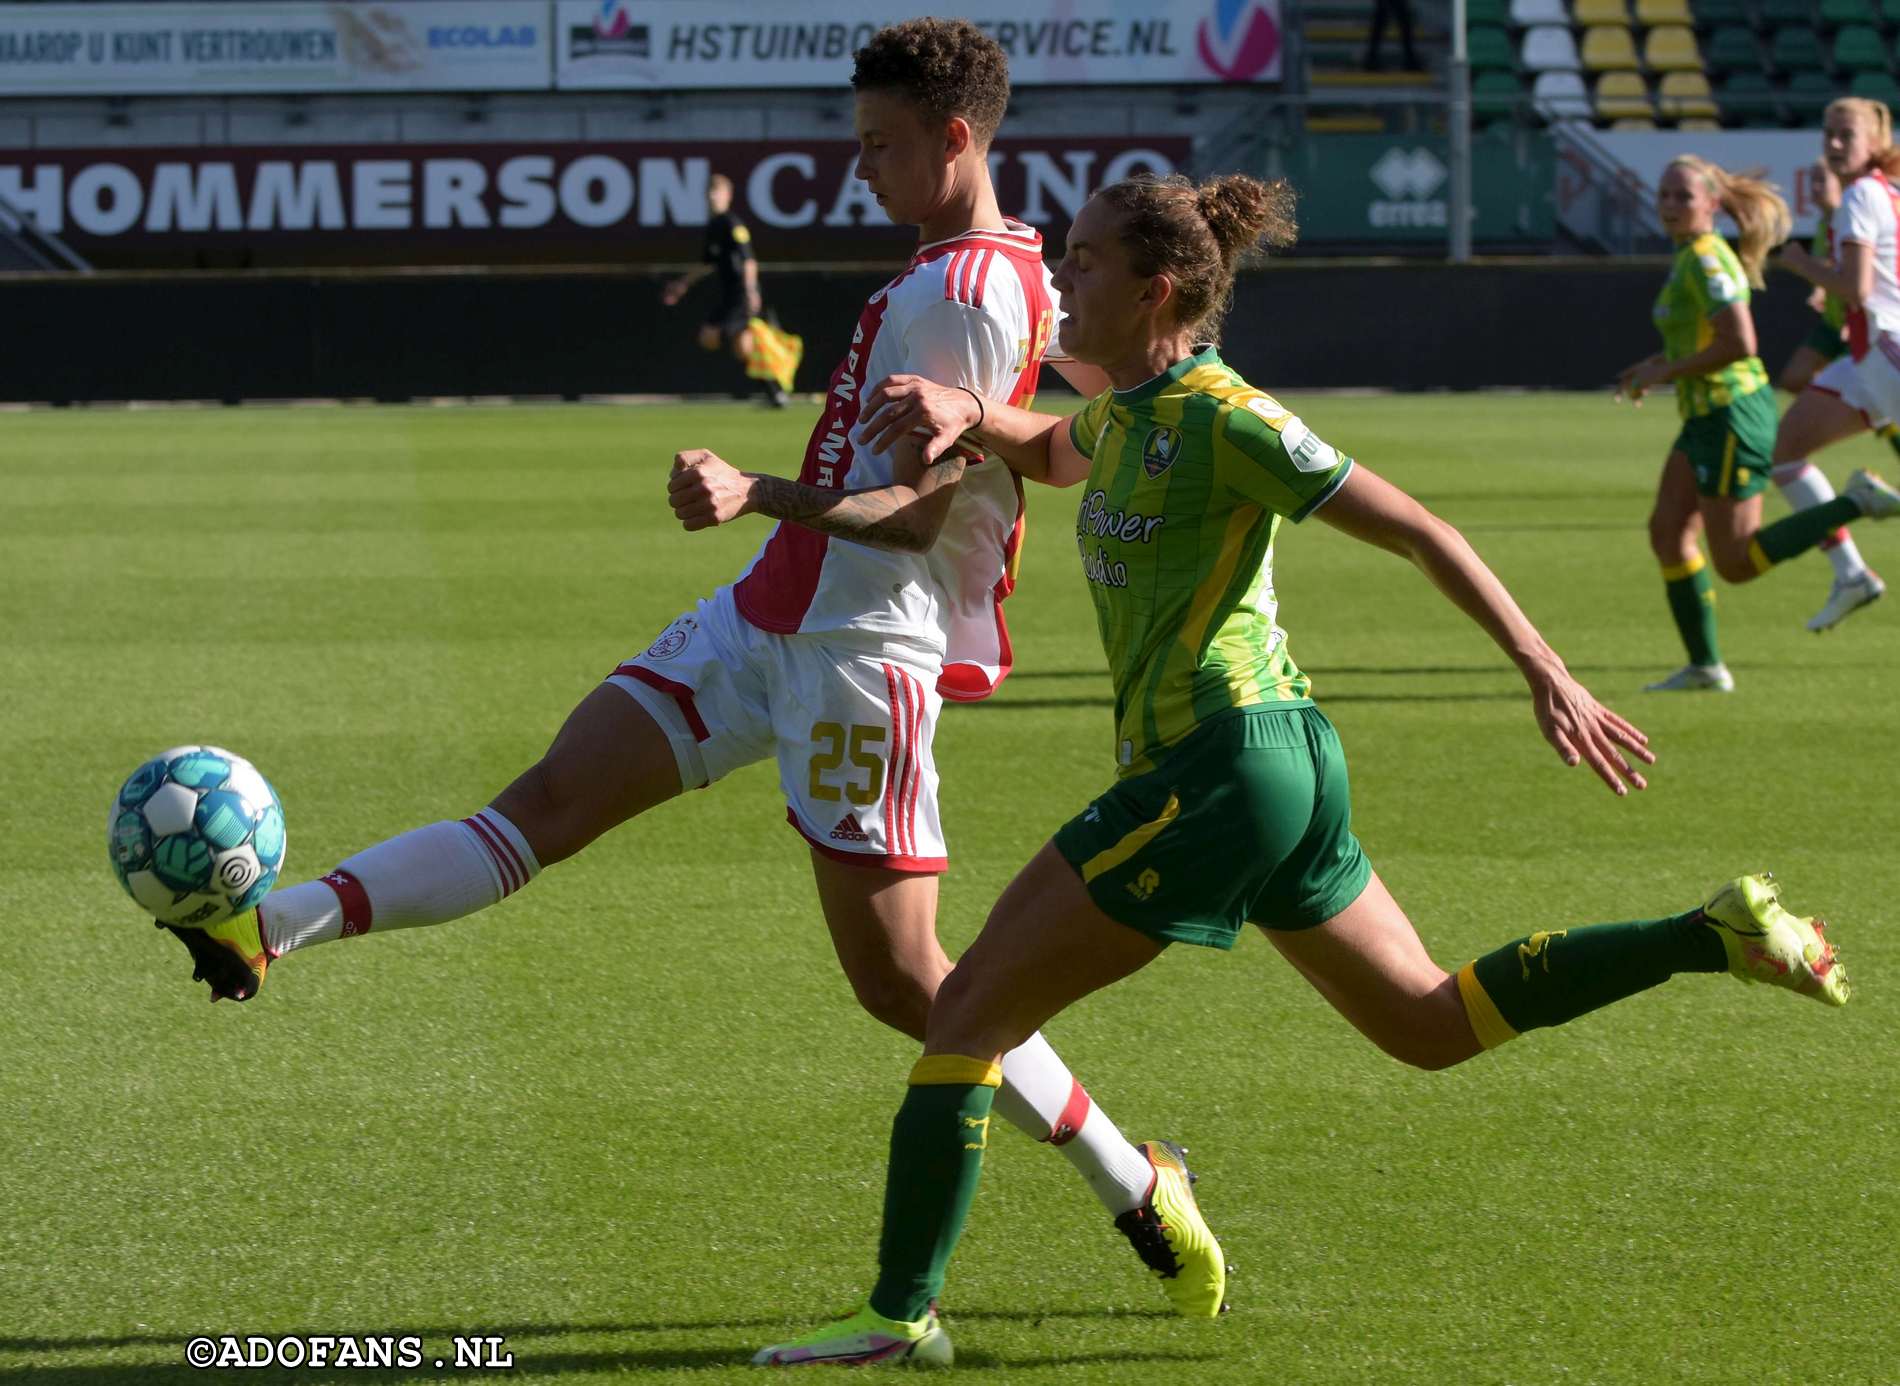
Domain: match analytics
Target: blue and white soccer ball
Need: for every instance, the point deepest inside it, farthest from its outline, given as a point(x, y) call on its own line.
point(196, 835)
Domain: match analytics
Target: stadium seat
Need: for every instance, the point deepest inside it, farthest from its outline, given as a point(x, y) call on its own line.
point(1493, 12)
point(1653, 12)
point(1714, 14)
point(1797, 50)
point(1495, 94)
point(1876, 86)
point(1776, 14)
point(1621, 95)
point(1561, 96)
point(1837, 14)
point(1858, 48)
point(1633, 123)
point(1525, 13)
point(1748, 98)
point(1698, 124)
point(1584, 13)
point(1890, 13)
point(1489, 49)
point(1671, 49)
point(1685, 95)
point(1550, 48)
point(1732, 49)
point(1609, 48)
point(1806, 96)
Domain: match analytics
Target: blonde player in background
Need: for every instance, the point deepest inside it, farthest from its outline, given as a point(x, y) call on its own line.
point(1720, 462)
point(878, 596)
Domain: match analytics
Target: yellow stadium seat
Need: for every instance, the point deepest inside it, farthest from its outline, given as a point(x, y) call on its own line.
point(1633, 123)
point(1587, 12)
point(1671, 49)
point(1650, 13)
point(1622, 96)
point(1608, 48)
point(1685, 95)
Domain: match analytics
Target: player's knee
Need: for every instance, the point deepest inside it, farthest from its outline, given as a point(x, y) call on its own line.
point(1667, 537)
point(1733, 565)
point(966, 1017)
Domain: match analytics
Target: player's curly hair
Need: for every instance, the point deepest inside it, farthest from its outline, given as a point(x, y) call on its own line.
point(1199, 234)
point(946, 67)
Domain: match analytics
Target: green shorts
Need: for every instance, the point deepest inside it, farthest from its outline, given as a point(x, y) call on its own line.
point(1731, 449)
point(1246, 820)
point(1826, 342)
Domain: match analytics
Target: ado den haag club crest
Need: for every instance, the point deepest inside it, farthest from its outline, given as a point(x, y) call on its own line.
point(1159, 449)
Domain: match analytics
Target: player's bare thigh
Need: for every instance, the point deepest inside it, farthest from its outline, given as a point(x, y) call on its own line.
point(1675, 519)
point(1814, 421)
point(1045, 946)
point(609, 762)
point(1803, 365)
point(1369, 962)
point(883, 925)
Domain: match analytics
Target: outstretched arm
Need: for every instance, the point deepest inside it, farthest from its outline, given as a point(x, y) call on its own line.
point(935, 416)
point(706, 490)
point(1376, 512)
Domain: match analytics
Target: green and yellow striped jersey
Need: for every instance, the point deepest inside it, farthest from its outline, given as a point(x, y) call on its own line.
point(1821, 246)
point(1192, 473)
point(1706, 279)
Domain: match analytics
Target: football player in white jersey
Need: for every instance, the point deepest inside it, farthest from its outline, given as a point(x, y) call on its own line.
point(1863, 387)
point(877, 596)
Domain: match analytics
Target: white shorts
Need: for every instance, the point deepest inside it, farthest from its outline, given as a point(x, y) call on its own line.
point(851, 728)
point(1871, 384)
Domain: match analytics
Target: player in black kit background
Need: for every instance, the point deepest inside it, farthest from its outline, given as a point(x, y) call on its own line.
point(737, 319)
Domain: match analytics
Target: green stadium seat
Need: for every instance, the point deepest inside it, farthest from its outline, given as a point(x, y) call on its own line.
point(1622, 96)
point(1495, 94)
point(1748, 98)
point(1684, 96)
point(1806, 95)
point(1858, 48)
point(1489, 49)
point(1671, 48)
point(1837, 14)
point(1890, 13)
point(1797, 50)
point(1715, 14)
point(1732, 49)
point(1876, 86)
point(1482, 12)
point(1776, 14)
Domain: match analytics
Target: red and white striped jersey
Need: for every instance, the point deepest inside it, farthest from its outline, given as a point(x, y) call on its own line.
point(1868, 215)
point(976, 310)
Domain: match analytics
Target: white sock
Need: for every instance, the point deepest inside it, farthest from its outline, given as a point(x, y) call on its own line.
point(1041, 1097)
point(1804, 486)
point(428, 876)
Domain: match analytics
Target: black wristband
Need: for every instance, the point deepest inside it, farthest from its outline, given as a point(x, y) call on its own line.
point(981, 412)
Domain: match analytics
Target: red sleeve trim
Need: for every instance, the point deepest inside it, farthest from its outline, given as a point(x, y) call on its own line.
point(873, 861)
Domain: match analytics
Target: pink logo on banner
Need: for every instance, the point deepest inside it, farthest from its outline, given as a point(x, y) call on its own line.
point(1239, 41)
point(612, 20)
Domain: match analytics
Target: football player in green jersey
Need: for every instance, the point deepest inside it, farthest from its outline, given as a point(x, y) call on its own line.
point(1723, 454)
point(1232, 804)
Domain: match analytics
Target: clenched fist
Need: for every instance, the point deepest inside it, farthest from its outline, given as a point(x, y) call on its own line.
point(706, 490)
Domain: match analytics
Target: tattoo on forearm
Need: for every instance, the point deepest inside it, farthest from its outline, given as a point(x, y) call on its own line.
point(885, 517)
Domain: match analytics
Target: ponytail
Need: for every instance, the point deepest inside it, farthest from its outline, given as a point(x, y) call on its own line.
point(1755, 205)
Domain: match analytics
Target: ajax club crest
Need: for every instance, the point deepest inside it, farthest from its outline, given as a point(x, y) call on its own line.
point(1159, 449)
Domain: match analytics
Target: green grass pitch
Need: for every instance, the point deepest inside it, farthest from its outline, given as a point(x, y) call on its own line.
point(632, 1119)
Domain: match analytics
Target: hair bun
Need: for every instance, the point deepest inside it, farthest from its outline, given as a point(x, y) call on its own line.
point(1242, 211)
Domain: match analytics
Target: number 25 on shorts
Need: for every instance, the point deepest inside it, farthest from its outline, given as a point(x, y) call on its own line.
point(834, 742)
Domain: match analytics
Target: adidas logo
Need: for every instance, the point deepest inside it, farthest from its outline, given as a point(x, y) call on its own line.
point(850, 830)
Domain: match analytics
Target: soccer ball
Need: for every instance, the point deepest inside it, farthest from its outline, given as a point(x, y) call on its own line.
point(196, 835)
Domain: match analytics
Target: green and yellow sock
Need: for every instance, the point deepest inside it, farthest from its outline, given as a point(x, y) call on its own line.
point(1692, 603)
point(937, 1146)
point(1797, 533)
point(1554, 976)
